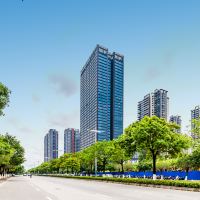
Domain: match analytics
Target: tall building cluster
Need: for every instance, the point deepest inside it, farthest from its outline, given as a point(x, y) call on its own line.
point(101, 102)
point(101, 105)
point(71, 143)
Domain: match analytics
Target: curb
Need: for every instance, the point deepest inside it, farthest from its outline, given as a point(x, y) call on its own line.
point(136, 184)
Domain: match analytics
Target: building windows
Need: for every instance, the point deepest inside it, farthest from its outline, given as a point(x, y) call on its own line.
point(51, 145)
point(155, 103)
point(102, 90)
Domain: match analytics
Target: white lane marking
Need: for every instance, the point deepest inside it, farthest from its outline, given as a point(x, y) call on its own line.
point(48, 198)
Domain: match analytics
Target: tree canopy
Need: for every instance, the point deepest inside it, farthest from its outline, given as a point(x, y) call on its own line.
point(154, 139)
point(11, 154)
point(4, 97)
point(155, 136)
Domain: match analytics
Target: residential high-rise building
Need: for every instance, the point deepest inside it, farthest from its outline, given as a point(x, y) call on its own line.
point(195, 114)
point(155, 103)
point(161, 103)
point(177, 120)
point(71, 140)
point(46, 148)
point(102, 86)
point(51, 145)
point(146, 106)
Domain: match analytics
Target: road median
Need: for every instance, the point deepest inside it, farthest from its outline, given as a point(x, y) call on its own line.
point(166, 184)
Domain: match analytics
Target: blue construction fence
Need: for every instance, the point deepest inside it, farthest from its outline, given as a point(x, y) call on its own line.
point(192, 175)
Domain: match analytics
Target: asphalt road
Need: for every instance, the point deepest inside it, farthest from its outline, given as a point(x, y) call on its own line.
point(46, 188)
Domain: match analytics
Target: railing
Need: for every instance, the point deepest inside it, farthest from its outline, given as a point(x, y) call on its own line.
point(191, 175)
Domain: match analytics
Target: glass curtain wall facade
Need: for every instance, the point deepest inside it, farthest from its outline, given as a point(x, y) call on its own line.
point(46, 148)
point(71, 140)
point(51, 145)
point(101, 97)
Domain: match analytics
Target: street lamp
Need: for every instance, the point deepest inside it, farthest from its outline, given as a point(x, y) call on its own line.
point(96, 139)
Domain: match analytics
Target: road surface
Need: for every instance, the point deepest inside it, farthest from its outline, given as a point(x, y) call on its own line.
point(46, 188)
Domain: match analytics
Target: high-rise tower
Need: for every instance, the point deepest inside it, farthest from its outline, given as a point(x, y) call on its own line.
point(71, 140)
point(177, 120)
point(102, 87)
point(155, 103)
point(51, 145)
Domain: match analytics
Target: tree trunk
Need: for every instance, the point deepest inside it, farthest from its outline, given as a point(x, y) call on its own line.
point(91, 168)
point(122, 165)
point(104, 166)
point(154, 163)
point(187, 170)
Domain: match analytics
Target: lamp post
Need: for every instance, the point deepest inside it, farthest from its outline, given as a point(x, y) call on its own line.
point(96, 139)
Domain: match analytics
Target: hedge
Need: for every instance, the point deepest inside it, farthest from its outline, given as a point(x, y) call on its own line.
point(172, 183)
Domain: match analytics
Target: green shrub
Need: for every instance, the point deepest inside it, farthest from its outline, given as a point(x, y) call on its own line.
point(174, 183)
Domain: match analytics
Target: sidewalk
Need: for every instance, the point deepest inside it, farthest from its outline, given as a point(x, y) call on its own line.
point(3, 178)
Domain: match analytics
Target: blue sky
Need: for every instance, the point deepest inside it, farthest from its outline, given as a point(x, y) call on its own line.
point(44, 45)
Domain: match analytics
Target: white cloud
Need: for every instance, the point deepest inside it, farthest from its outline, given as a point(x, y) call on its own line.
point(63, 85)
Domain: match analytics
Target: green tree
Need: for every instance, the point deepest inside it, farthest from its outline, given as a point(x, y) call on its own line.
point(119, 154)
point(18, 155)
point(144, 165)
point(87, 159)
point(43, 168)
point(62, 159)
point(74, 164)
point(196, 131)
point(195, 158)
point(167, 164)
point(104, 151)
point(156, 137)
point(20, 169)
point(185, 163)
point(6, 152)
point(4, 97)
point(70, 163)
point(128, 166)
point(11, 151)
point(54, 165)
